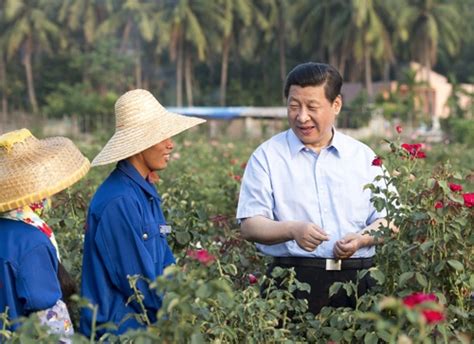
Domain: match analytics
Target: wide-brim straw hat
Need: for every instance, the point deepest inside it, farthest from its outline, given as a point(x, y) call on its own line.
point(141, 122)
point(33, 169)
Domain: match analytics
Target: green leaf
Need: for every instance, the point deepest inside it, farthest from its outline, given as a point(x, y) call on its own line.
point(371, 338)
point(182, 237)
point(197, 338)
point(421, 279)
point(430, 183)
point(385, 335)
point(426, 245)
point(204, 291)
point(334, 289)
point(457, 265)
point(349, 288)
point(378, 275)
point(404, 277)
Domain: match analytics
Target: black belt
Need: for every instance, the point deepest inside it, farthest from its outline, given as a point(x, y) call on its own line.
point(327, 264)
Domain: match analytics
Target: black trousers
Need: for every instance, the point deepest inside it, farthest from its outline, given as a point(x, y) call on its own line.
point(321, 280)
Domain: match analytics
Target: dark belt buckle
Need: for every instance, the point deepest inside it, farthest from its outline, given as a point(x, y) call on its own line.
point(333, 264)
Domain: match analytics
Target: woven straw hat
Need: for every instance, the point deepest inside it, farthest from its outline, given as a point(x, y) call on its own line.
point(141, 122)
point(32, 169)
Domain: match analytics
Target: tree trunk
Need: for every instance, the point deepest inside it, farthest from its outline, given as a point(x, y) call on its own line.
point(188, 76)
point(3, 89)
point(138, 71)
point(179, 72)
point(29, 74)
point(224, 69)
point(368, 74)
point(282, 46)
point(281, 43)
point(126, 35)
point(386, 72)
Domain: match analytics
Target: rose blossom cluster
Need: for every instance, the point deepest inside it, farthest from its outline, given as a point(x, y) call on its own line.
point(419, 300)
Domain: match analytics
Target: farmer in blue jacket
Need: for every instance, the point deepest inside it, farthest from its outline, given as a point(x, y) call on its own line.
point(32, 279)
point(126, 230)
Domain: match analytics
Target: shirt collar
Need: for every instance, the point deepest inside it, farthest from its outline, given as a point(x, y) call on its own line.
point(126, 167)
point(337, 143)
point(295, 144)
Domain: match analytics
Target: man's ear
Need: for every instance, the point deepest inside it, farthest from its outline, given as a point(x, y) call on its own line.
point(337, 104)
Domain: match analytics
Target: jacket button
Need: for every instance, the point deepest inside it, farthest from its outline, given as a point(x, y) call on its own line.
point(145, 236)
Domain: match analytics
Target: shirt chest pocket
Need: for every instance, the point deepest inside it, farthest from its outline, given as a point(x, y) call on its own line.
point(357, 205)
point(151, 238)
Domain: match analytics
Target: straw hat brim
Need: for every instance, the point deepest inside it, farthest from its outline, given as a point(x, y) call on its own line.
point(132, 140)
point(38, 169)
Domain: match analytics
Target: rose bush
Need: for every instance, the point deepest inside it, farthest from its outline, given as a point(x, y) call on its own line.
point(213, 294)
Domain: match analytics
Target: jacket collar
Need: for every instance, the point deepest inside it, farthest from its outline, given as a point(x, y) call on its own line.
point(126, 167)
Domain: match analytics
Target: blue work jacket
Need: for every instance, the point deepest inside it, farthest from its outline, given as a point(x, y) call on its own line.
point(28, 270)
point(122, 238)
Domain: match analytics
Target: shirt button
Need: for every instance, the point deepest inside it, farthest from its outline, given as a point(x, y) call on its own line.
point(145, 236)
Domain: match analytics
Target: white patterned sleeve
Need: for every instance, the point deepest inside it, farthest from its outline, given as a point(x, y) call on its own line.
point(58, 320)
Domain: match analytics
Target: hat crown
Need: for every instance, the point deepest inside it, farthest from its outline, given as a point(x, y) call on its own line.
point(10, 139)
point(136, 107)
point(32, 169)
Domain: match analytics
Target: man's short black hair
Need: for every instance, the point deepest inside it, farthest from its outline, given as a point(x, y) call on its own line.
point(315, 74)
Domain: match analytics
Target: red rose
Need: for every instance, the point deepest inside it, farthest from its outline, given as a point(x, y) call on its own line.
point(399, 129)
point(468, 199)
point(252, 279)
point(420, 155)
point(439, 204)
point(416, 298)
point(203, 256)
point(237, 178)
point(432, 316)
point(455, 187)
point(243, 165)
point(414, 150)
point(377, 161)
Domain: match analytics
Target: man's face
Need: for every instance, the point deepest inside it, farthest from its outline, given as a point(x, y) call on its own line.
point(311, 115)
point(156, 157)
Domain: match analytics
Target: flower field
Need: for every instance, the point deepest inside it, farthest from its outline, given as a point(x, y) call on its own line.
point(424, 271)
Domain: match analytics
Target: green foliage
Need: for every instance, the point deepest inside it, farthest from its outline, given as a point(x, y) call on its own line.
point(459, 130)
point(357, 114)
point(227, 297)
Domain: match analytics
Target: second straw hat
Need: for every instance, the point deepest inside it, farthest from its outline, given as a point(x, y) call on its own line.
point(141, 122)
point(32, 169)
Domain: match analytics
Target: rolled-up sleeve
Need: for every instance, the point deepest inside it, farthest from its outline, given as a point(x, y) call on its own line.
point(256, 195)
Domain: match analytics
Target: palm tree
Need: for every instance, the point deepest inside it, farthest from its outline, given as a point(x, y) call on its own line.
point(133, 19)
point(191, 22)
point(236, 14)
point(340, 30)
point(29, 29)
point(429, 22)
point(3, 72)
point(81, 15)
point(371, 38)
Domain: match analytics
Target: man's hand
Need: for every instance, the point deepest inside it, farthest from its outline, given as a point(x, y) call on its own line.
point(308, 235)
point(348, 245)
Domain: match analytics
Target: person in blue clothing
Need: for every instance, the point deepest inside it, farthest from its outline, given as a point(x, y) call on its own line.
point(31, 275)
point(126, 230)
